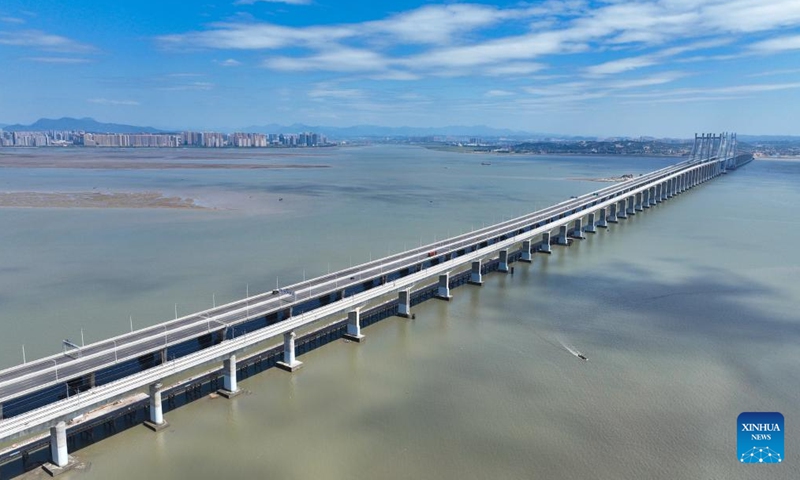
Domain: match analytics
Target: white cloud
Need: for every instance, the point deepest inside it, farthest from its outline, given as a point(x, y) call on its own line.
point(338, 59)
point(12, 20)
point(345, 93)
point(105, 101)
point(230, 62)
point(43, 41)
point(200, 86)
point(498, 93)
point(779, 44)
point(59, 60)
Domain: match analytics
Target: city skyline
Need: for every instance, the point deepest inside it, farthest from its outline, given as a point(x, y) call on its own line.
point(660, 68)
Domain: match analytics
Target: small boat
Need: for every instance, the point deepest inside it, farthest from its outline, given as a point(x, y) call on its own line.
point(485, 163)
point(583, 357)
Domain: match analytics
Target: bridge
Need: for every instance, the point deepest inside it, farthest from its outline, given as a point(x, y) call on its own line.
point(45, 393)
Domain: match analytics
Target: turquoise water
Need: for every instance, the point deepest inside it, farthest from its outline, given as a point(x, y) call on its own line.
point(688, 313)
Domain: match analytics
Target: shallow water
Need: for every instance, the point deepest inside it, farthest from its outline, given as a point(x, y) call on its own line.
point(688, 313)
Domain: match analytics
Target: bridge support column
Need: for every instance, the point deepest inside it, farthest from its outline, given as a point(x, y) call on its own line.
point(503, 267)
point(602, 223)
point(631, 205)
point(60, 461)
point(670, 188)
point(156, 421)
point(545, 246)
point(663, 190)
point(443, 289)
point(612, 213)
point(526, 252)
point(654, 196)
point(475, 276)
point(577, 230)
point(562, 236)
point(289, 363)
point(638, 206)
point(646, 199)
point(354, 326)
point(404, 304)
point(621, 210)
point(590, 224)
point(230, 387)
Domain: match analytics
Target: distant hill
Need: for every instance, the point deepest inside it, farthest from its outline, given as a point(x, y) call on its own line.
point(79, 124)
point(378, 131)
point(768, 138)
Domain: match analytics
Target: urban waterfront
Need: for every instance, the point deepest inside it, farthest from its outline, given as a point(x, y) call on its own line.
point(689, 318)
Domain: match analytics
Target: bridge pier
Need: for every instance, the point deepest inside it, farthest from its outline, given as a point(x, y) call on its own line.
point(652, 196)
point(663, 187)
point(590, 224)
point(612, 213)
point(638, 206)
point(562, 236)
point(503, 261)
point(545, 245)
point(475, 276)
point(671, 188)
point(621, 210)
point(230, 387)
point(156, 421)
point(631, 205)
point(289, 363)
point(577, 230)
point(354, 326)
point(646, 198)
point(526, 252)
point(602, 223)
point(443, 289)
point(60, 461)
point(404, 303)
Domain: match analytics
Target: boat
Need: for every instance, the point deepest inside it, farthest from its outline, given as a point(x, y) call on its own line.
point(583, 357)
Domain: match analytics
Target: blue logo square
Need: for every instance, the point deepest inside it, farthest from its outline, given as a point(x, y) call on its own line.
point(760, 437)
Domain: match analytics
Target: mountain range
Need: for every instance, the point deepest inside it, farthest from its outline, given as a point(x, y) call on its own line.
point(79, 124)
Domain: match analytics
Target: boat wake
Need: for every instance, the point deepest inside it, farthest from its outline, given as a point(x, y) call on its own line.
point(572, 349)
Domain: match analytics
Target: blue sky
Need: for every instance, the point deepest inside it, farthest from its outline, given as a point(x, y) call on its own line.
point(648, 67)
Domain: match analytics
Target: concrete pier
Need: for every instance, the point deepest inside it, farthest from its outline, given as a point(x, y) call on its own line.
point(354, 326)
point(443, 288)
point(612, 213)
point(156, 421)
point(545, 246)
point(476, 277)
point(503, 261)
point(631, 208)
point(590, 227)
point(646, 199)
point(230, 387)
point(60, 461)
point(562, 238)
point(404, 303)
point(289, 363)
point(622, 209)
point(638, 206)
point(577, 230)
point(601, 222)
point(526, 257)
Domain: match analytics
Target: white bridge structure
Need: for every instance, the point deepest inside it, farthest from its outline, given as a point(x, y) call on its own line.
point(45, 393)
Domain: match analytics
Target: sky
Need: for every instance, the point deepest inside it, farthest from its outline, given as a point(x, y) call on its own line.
point(603, 68)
